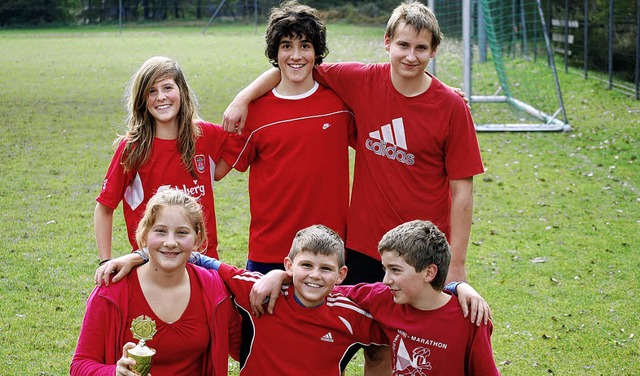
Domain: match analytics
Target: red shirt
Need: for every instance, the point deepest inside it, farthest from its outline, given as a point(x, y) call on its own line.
point(181, 346)
point(297, 340)
point(436, 342)
point(407, 150)
point(297, 148)
point(163, 170)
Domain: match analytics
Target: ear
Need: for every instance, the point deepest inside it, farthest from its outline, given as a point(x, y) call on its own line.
point(198, 245)
point(342, 274)
point(430, 273)
point(288, 266)
point(434, 52)
point(387, 42)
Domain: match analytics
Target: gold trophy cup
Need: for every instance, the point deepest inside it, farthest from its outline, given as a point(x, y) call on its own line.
point(143, 328)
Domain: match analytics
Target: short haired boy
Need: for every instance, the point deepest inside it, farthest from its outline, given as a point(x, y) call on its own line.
point(296, 142)
point(427, 331)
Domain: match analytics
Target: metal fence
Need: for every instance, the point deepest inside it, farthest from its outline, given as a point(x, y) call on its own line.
point(603, 45)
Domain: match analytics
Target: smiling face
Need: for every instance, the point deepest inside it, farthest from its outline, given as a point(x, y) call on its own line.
point(296, 58)
point(171, 239)
point(409, 52)
point(314, 276)
point(163, 103)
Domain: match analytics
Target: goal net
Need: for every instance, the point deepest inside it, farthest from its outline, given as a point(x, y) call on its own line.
point(499, 52)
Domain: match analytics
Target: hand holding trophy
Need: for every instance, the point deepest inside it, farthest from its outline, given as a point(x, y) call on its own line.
point(143, 328)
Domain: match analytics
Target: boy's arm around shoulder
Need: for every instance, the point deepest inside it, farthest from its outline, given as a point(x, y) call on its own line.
point(472, 304)
point(235, 115)
point(267, 289)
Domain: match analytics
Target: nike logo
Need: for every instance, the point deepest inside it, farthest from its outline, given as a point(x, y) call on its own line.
point(326, 125)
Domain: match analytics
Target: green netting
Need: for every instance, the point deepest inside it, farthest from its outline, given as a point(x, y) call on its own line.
point(510, 63)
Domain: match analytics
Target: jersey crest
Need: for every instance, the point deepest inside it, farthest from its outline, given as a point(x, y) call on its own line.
point(200, 163)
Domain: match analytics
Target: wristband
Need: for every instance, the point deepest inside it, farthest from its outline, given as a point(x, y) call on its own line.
point(452, 287)
point(103, 261)
point(144, 254)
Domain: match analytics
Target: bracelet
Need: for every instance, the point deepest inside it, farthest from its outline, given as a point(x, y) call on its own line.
point(144, 254)
point(452, 287)
point(103, 261)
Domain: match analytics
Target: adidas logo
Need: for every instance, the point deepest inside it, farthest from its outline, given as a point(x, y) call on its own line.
point(390, 142)
point(327, 337)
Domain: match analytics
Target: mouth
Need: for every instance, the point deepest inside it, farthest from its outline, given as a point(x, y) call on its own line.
point(313, 285)
point(296, 66)
point(163, 107)
point(170, 254)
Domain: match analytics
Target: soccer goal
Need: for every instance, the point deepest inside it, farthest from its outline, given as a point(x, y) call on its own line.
point(507, 63)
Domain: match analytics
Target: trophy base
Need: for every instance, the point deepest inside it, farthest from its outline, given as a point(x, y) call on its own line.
point(143, 363)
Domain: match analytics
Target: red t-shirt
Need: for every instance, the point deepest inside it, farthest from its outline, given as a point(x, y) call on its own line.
point(164, 170)
point(407, 150)
point(181, 346)
point(297, 148)
point(436, 342)
point(297, 340)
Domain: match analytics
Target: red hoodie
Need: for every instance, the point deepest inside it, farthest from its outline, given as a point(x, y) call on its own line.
point(104, 324)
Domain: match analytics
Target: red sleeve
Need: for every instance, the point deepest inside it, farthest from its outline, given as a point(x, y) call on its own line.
point(115, 181)
point(239, 282)
point(462, 152)
point(363, 294)
point(215, 138)
point(238, 152)
point(342, 78)
point(481, 360)
point(95, 342)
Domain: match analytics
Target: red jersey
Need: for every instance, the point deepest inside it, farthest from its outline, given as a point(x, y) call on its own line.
point(297, 148)
point(436, 342)
point(164, 170)
point(407, 150)
point(297, 340)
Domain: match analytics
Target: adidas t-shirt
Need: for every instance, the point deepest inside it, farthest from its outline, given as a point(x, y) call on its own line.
point(407, 150)
point(296, 340)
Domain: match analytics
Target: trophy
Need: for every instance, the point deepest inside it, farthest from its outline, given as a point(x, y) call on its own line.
point(143, 328)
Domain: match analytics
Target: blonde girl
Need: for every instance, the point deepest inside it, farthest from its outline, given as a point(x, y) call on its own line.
point(196, 322)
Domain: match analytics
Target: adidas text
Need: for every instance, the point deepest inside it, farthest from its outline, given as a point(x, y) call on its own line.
point(390, 151)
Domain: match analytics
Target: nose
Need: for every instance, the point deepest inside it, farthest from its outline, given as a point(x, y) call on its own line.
point(387, 280)
point(170, 241)
point(411, 56)
point(295, 53)
point(314, 273)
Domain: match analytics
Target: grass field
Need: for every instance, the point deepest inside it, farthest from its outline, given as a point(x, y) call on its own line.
point(554, 245)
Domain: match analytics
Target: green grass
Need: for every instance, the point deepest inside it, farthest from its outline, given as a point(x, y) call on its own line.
point(569, 199)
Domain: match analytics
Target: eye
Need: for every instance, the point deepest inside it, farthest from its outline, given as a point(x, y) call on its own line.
point(159, 230)
point(306, 265)
point(326, 269)
point(152, 91)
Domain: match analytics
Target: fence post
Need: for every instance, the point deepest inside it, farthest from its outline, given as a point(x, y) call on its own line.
point(586, 38)
point(610, 44)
